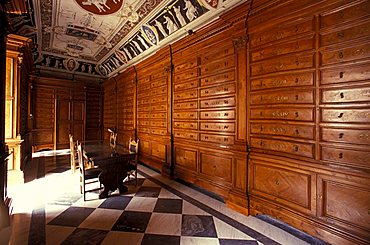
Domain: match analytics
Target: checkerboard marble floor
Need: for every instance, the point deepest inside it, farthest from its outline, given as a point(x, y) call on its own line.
point(49, 209)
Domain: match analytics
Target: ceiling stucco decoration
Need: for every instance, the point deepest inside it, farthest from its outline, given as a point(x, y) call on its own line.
point(103, 37)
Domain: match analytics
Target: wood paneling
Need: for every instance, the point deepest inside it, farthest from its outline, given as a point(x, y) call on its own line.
point(270, 112)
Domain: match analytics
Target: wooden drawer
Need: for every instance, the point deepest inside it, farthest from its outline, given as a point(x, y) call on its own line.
point(220, 54)
point(223, 102)
point(158, 131)
point(186, 158)
point(143, 108)
point(345, 54)
point(186, 105)
point(159, 99)
point(346, 14)
point(143, 130)
point(186, 135)
point(191, 73)
point(283, 97)
point(159, 83)
point(143, 101)
point(219, 90)
point(184, 66)
point(281, 32)
point(143, 115)
point(128, 110)
point(350, 33)
point(345, 74)
point(221, 139)
point(159, 91)
point(224, 114)
point(189, 94)
point(346, 95)
point(281, 49)
point(159, 107)
point(292, 62)
point(352, 157)
point(186, 125)
point(161, 74)
point(220, 127)
point(291, 80)
point(350, 136)
point(216, 166)
point(217, 79)
point(214, 67)
point(192, 115)
point(143, 95)
point(158, 115)
point(159, 150)
point(346, 115)
point(296, 131)
point(295, 114)
point(187, 85)
point(345, 203)
point(291, 187)
point(158, 124)
point(295, 148)
point(143, 80)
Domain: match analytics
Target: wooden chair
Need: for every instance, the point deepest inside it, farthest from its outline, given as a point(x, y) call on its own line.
point(132, 167)
point(113, 139)
point(73, 155)
point(87, 175)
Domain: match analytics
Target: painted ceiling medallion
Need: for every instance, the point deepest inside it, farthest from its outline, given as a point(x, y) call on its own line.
point(101, 7)
point(212, 3)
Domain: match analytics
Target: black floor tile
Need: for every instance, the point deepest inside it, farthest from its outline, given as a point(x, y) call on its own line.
point(237, 242)
point(164, 205)
point(148, 191)
point(150, 239)
point(73, 216)
point(198, 225)
point(131, 221)
point(116, 202)
point(85, 236)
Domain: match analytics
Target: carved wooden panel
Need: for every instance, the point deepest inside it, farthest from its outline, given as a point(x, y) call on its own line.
point(288, 186)
point(345, 203)
point(216, 166)
point(186, 158)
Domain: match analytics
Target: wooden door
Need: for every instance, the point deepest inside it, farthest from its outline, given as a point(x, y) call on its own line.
point(63, 125)
point(78, 120)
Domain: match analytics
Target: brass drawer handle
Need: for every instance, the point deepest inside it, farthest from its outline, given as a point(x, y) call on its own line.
point(341, 74)
point(340, 155)
point(340, 135)
point(340, 115)
point(341, 95)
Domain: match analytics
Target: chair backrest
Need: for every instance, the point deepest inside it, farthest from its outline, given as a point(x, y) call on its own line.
point(80, 157)
point(133, 146)
point(113, 140)
point(71, 145)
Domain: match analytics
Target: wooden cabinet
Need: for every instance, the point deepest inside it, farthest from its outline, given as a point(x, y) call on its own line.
point(60, 108)
point(269, 111)
point(309, 117)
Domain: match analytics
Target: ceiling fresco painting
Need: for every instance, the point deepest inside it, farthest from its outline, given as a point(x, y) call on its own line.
point(100, 38)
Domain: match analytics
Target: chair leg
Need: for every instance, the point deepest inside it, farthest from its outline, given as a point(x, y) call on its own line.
point(135, 178)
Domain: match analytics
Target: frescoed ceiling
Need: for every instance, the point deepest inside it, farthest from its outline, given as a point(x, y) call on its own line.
point(100, 38)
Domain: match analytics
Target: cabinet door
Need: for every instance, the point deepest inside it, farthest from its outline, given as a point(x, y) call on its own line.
point(78, 123)
point(63, 126)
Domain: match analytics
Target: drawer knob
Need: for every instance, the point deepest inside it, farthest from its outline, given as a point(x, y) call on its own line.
point(226, 126)
point(297, 132)
point(340, 55)
point(341, 74)
point(340, 155)
point(295, 148)
point(341, 34)
point(226, 114)
point(341, 135)
point(277, 182)
point(340, 115)
point(341, 95)
point(296, 114)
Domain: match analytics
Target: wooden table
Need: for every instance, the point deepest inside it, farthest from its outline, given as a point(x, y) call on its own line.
point(112, 161)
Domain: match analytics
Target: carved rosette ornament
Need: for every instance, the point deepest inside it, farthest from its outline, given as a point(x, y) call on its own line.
point(240, 42)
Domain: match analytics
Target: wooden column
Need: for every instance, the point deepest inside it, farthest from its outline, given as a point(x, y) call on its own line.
point(4, 211)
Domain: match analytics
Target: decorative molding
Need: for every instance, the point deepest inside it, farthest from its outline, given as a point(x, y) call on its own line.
point(240, 42)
